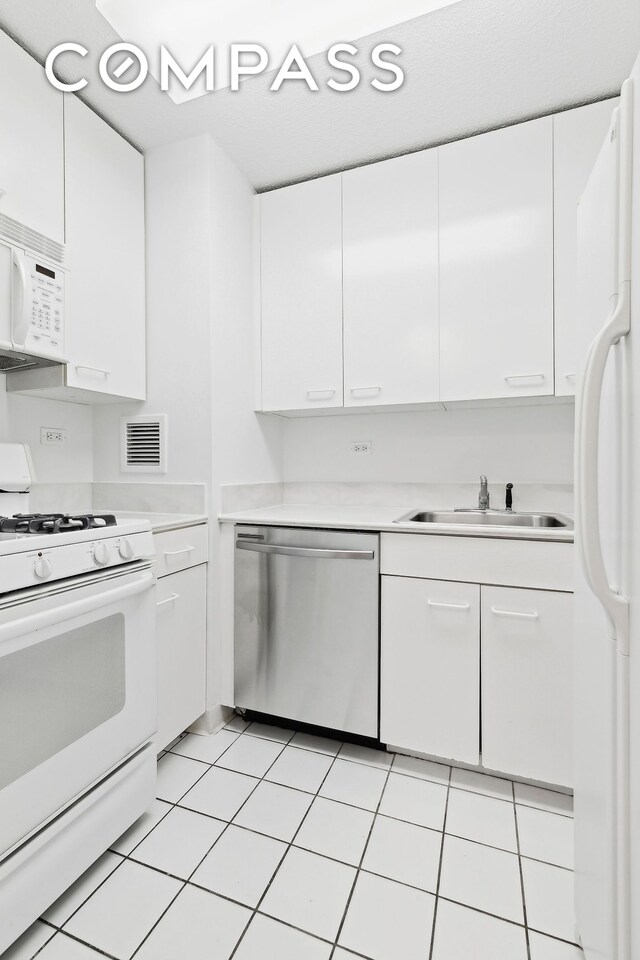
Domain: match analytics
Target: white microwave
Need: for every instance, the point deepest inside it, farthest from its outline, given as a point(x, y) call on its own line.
point(32, 310)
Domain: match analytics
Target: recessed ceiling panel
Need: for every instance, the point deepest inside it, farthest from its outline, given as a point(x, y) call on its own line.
point(188, 27)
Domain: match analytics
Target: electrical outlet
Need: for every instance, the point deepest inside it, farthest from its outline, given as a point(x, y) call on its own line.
point(361, 446)
point(52, 435)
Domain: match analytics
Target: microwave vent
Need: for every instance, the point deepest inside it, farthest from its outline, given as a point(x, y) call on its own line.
point(31, 240)
point(144, 444)
point(15, 363)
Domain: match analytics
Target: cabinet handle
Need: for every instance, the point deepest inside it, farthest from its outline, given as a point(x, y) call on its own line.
point(448, 606)
point(320, 394)
point(570, 376)
point(171, 599)
point(525, 376)
point(178, 553)
point(362, 393)
point(98, 370)
point(516, 614)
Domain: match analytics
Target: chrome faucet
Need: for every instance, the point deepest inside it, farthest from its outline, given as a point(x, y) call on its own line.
point(483, 496)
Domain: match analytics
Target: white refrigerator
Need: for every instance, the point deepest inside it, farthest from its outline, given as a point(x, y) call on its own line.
point(607, 634)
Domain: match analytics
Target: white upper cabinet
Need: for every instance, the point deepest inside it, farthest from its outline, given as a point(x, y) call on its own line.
point(31, 156)
point(578, 136)
point(301, 294)
point(105, 235)
point(390, 236)
point(496, 264)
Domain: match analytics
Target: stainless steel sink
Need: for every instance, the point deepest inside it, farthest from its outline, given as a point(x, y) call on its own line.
point(491, 518)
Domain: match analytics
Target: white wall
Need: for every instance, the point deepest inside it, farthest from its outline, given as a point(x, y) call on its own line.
point(178, 315)
point(199, 213)
point(520, 444)
point(247, 447)
point(20, 421)
point(200, 341)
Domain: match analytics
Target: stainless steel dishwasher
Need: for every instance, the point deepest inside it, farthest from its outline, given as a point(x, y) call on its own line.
point(307, 626)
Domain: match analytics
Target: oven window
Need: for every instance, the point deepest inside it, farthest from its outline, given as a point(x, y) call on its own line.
point(55, 692)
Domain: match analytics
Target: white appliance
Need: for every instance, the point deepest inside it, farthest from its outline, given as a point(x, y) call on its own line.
point(77, 699)
point(32, 309)
point(607, 636)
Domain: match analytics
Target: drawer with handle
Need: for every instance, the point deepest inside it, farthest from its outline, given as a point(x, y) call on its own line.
point(179, 549)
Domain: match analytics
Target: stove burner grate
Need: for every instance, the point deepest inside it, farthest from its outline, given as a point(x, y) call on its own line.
point(55, 522)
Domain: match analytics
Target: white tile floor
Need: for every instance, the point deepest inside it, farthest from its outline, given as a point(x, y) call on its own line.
point(265, 845)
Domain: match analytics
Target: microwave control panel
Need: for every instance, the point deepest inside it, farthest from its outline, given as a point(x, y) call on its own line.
point(46, 320)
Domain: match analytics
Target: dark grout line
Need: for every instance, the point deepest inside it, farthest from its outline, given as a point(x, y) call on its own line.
point(71, 936)
point(281, 861)
point(126, 857)
point(435, 906)
point(228, 824)
point(521, 874)
point(179, 804)
point(359, 867)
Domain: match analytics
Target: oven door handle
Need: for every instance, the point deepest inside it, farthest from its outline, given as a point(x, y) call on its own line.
point(34, 622)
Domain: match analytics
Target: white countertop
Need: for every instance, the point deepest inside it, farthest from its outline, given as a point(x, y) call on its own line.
point(382, 519)
point(160, 521)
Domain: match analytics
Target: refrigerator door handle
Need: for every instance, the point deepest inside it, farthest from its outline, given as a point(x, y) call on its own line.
point(617, 325)
point(588, 436)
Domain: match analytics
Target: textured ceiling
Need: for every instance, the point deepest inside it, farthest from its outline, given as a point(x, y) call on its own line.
point(470, 67)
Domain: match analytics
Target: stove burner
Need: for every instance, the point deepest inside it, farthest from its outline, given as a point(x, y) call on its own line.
point(55, 522)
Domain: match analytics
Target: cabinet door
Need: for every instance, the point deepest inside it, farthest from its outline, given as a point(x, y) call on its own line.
point(430, 667)
point(105, 231)
point(181, 638)
point(527, 683)
point(390, 233)
point(301, 284)
point(31, 133)
point(496, 264)
point(578, 136)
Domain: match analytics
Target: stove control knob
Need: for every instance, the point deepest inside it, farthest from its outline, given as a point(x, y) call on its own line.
point(125, 550)
point(43, 569)
point(101, 554)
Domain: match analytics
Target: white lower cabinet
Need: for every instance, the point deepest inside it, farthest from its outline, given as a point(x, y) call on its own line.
point(181, 639)
point(479, 670)
point(527, 683)
point(430, 667)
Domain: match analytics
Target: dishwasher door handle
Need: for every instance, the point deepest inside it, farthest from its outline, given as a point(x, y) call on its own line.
point(312, 553)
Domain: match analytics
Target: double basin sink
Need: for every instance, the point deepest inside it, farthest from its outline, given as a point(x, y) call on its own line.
point(490, 518)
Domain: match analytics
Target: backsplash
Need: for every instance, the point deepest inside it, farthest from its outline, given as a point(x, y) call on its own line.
point(151, 497)
point(250, 496)
point(145, 497)
point(549, 497)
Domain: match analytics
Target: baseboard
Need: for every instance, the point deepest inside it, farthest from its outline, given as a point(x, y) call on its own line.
point(211, 721)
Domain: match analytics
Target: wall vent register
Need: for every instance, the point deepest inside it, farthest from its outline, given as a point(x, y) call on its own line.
point(143, 442)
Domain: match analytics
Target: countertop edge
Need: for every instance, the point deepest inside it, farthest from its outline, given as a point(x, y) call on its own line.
point(163, 522)
point(260, 517)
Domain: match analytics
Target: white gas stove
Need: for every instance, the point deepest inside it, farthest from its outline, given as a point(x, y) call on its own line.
point(36, 548)
point(77, 692)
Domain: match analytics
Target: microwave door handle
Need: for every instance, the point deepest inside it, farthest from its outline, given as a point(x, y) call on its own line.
point(24, 626)
point(20, 300)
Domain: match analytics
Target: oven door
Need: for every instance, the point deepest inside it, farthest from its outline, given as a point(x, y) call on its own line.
point(77, 691)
